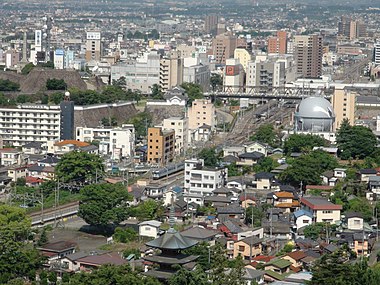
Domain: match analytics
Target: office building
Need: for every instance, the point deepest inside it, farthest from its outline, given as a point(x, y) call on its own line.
point(202, 112)
point(59, 59)
point(180, 126)
point(244, 56)
point(223, 47)
point(343, 103)
point(93, 45)
point(211, 23)
point(141, 74)
point(268, 73)
point(195, 72)
point(171, 71)
point(161, 146)
point(278, 44)
point(12, 58)
point(116, 142)
point(351, 29)
point(308, 55)
point(35, 123)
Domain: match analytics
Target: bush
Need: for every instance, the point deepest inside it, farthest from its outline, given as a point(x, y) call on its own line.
point(125, 235)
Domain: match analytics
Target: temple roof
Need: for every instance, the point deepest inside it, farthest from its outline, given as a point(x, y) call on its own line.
point(172, 240)
point(171, 259)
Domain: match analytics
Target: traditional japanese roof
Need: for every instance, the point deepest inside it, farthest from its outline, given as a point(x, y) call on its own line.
point(106, 258)
point(279, 263)
point(171, 259)
point(300, 213)
point(251, 155)
point(274, 275)
point(172, 240)
point(316, 203)
point(152, 223)
point(283, 194)
point(58, 246)
point(198, 233)
point(296, 255)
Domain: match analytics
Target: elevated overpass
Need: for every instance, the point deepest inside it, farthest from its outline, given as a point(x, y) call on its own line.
point(49, 216)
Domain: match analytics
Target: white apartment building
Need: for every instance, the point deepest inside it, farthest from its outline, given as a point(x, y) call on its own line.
point(30, 123)
point(268, 73)
point(201, 180)
point(117, 142)
point(376, 53)
point(140, 74)
point(202, 112)
point(181, 132)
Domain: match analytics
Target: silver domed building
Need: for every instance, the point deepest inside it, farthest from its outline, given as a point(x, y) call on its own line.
point(314, 115)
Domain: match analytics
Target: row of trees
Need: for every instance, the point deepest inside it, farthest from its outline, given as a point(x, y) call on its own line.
point(7, 85)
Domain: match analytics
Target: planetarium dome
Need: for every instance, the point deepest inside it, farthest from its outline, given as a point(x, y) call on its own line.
point(314, 114)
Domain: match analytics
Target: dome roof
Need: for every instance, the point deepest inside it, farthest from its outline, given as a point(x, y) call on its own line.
point(315, 107)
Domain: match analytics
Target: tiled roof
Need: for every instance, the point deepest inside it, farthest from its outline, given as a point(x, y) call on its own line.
point(297, 255)
point(73, 142)
point(316, 203)
point(283, 194)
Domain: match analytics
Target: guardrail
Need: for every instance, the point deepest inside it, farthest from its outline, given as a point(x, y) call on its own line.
point(58, 213)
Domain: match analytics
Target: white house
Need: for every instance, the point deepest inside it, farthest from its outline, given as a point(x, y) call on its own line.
point(150, 229)
point(354, 221)
point(258, 147)
point(303, 218)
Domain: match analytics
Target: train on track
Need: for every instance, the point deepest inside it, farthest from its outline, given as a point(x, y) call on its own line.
point(169, 170)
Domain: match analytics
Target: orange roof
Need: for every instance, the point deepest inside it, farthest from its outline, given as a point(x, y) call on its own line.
point(283, 194)
point(297, 255)
point(74, 142)
point(288, 205)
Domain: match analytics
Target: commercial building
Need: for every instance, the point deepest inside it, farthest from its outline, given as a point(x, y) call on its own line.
point(171, 71)
point(308, 55)
point(223, 47)
point(278, 44)
point(36, 123)
point(93, 45)
point(376, 54)
point(233, 80)
point(201, 180)
point(116, 142)
point(351, 29)
point(244, 57)
point(196, 72)
point(181, 131)
point(140, 74)
point(59, 59)
point(161, 146)
point(202, 112)
point(268, 73)
point(343, 102)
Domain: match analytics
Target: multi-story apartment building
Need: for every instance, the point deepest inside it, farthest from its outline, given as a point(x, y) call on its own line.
point(376, 53)
point(181, 131)
point(161, 146)
point(140, 74)
point(116, 142)
point(93, 45)
point(244, 56)
point(171, 71)
point(308, 55)
point(202, 112)
point(201, 180)
point(211, 22)
point(223, 47)
point(268, 73)
point(344, 105)
point(279, 43)
point(36, 123)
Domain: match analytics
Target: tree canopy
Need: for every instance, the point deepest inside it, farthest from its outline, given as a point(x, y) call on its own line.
point(308, 168)
point(7, 85)
point(56, 84)
point(266, 134)
point(355, 142)
point(193, 90)
point(18, 259)
point(210, 157)
point(302, 143)
point(79, 166)
point(216, 81)
point(104, 204)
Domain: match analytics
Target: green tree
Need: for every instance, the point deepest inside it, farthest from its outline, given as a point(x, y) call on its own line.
point(121, 82)
point(125, 235)
point(55, 84)
point(18, 259)
point(79, 166)
point(43, 238)
point(184, 276)
point(308, 168)
point(267, 164)
point(148, 210)
point(257, 213)
point(203, 250)
point(7, 85)
point(210, 156)
point(104, 204)
point(216, 82)
point(45, 99)
point(355, 142)
point(27, 68)
point(157, 92)
point(361, 205)
point(142, 121)
point(318, 230)
point(302, 143)
point(266, 134)
point(193, 91)
point(56, 97)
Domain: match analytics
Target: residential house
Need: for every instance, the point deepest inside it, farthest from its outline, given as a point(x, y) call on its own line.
point(263, 180)
point(253, 276)
point(354, 221)
point(233, 211)
point(247, 232)
point(322, 209)
point(340, 172)
point(16, 171)
point(366, 173)
point(258, 147)
point(171, 194)
point(236, 183)
point(90, 262)
point(11, 156)
point(32, 148)
point(233, 150)
point(373, 187)
point(358, 242)
point(285, 200)
point(62, 147)
point(57, 250)
point(69, 262)
point(247, 200)
point(302, 219)
point(150, 229)
point(200, 233)
point(278, 265)
point(295, 257)
point(328, 178)
point(249, 158)
point(248, 247)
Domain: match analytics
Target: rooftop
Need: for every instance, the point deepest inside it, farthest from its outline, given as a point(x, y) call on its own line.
point(316, 203)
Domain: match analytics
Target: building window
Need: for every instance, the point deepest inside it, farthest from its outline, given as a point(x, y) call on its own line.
point(327, 212)
point(241, 247)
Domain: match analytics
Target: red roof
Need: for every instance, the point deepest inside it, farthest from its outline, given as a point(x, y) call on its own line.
point(315, 203)
point(33, 180)
point(297, 255)
point(263, 258)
